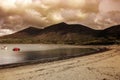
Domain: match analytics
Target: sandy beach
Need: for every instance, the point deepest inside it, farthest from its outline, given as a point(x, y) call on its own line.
point(102, 66)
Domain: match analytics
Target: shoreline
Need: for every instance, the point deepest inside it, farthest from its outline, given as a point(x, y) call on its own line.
point(53, 59)
point(102, 66)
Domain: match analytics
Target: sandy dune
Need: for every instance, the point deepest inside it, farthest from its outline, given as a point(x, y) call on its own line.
point(103, 66)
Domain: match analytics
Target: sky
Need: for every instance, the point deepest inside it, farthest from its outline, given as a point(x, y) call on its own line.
point(18, 14)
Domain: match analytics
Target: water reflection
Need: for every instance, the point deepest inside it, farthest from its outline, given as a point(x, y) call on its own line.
point(43, 55)
point(11, 57)
point(57, 53)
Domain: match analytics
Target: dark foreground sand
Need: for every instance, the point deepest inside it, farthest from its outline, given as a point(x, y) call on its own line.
point(103, 66)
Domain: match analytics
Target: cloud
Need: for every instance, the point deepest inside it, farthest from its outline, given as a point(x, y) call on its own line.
point(109, 5)
point(71, 15)
point(44, 12)
point(109, 13)
point(5, 32)
point(107, 19)
point(19, 14)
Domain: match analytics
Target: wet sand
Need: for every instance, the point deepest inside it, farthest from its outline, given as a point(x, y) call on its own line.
point(103, 66)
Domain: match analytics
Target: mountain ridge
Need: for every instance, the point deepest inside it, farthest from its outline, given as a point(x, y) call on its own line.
point(66, 33)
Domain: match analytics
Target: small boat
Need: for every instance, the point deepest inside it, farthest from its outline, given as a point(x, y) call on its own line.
point(16, 49)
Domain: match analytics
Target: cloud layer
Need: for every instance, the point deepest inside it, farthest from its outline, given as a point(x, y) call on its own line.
point(18, 14)
point(43, 12)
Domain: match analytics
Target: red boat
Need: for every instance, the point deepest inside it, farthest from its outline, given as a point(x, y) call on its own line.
point(16, 49)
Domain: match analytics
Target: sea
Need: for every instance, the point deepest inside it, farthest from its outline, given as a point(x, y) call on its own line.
point(40, 52)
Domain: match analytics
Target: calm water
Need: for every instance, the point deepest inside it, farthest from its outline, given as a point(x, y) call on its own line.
point(41, 52)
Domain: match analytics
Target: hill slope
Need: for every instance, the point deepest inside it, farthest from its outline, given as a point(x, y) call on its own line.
point(113, 31)
point(26, 33)
point(107, 36)
point(64, 33)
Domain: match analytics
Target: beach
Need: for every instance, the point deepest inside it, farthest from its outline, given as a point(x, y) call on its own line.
point(102, 66)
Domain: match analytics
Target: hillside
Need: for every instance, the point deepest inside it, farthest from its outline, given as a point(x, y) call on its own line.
point(107, 36)
point(65, 34)
point(58, 33)
point(25, 33)
point(113, 31)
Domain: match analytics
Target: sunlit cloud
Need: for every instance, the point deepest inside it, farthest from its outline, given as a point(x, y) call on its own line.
point(18, 14)
point(5, 32)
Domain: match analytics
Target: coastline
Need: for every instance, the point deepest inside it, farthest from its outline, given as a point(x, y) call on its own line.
point(104, 66)
point(52, 59)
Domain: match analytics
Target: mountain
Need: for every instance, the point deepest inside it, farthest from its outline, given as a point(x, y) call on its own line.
point(107, 36)
point(69, 28)
point(58, 33)
point(63, 33)
point(66, 32)
point(25, 33)
point(113, 31)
